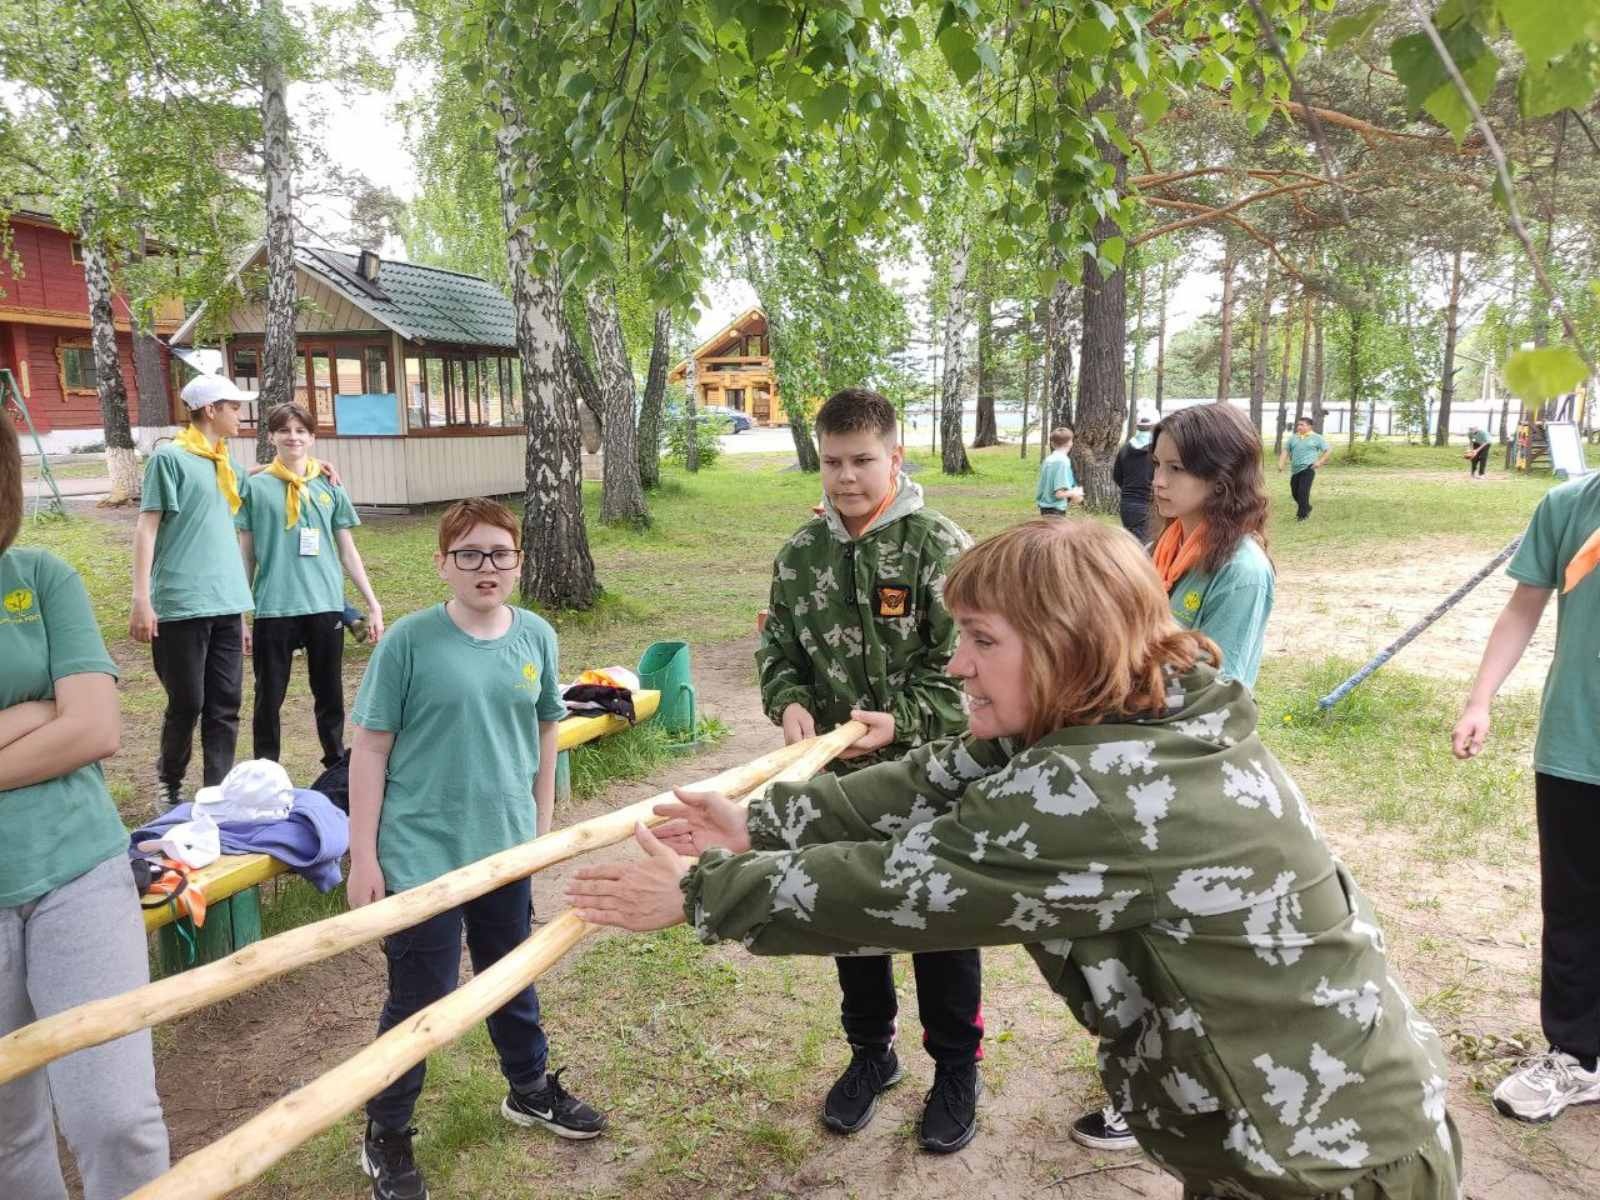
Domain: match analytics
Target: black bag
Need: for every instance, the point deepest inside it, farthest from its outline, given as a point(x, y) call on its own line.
point(334, 783)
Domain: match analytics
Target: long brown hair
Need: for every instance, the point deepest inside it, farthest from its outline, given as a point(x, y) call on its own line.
point(10, 482)
point(1218, 444)
point(1091, 610)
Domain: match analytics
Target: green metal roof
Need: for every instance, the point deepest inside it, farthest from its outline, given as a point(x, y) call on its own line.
point(422, 304)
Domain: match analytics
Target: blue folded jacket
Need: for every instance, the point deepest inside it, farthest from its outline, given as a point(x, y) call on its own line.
point(311, 839)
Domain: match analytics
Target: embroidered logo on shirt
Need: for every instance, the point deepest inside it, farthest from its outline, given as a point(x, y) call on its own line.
point(1191, 601)
point(325, 499)
point(893, 600)
point(19, 601)
point(530, 675)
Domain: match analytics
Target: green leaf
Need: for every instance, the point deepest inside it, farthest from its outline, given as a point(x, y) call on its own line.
point(1089, 36)
point(769, 30)
point(1353, 28)
point(988, 57)
point(1153, 105)
point(826, 106)
point(1537, 375)
point(1568, 82)
point(1423, 72)
point(1215, 73)
point(910, 35)
point(1112, 250)
point(958, 46)
point(1546, 28)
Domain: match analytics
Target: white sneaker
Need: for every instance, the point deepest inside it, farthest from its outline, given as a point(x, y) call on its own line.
point(1543, 1086)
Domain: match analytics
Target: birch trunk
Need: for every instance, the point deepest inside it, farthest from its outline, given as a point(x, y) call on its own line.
point(1319, 368)
point(1102, 391)
point(953, 460)
point(281, 370)
point(155, 402)
point(1258, 351)
point(691, 445)
point(121, 462)
point(1283, 375)
point(622, 495)
point(655, 389)
point(592, 409)
point(557, 568)
point(1305, 362)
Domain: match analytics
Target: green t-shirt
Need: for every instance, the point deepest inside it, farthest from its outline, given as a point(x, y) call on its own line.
point(289, 582)
point(198, 571)
point(1054, 472)
point(1565, 518)
point(58, 829)
point(1478, 437)
point(1304, 451)
point(1231, 608)
point(465, 716)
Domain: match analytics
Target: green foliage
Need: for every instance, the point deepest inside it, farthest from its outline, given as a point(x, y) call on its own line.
point(1536, 375)
point(707, 434)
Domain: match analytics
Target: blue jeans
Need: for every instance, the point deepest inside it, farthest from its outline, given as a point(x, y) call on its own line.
point(424, 963)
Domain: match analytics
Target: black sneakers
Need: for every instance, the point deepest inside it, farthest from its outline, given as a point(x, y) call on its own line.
point(386, 1156)
point(1104, 1129)
point(950, 1113)
point(557, 1109)
point(854, 1096)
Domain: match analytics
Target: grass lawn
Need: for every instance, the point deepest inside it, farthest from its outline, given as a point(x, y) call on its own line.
point(710, 1061)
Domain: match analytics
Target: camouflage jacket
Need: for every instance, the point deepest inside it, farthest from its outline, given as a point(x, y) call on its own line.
point(861, 623)
point(1169, 882)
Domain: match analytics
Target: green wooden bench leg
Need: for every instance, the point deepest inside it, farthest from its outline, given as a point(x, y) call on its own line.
point(230, 925)
point(563, 777)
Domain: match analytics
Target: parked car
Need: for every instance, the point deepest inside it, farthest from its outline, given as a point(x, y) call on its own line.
point(738, 421)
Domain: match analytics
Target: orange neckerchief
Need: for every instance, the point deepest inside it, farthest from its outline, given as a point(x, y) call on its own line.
point(1176, 555)
point(1585, 560)
point(883, 507)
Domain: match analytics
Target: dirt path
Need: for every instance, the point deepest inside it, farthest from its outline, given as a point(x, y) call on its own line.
point(1355, 609)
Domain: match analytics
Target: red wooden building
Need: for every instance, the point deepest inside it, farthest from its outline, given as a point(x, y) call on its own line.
point(44, 334)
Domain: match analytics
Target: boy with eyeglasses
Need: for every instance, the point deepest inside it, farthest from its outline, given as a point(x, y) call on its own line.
point(453, 760)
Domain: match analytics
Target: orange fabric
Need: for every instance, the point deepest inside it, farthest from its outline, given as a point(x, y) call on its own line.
point(1585, 560)
point(174, 886)
point(1175, 555)
point(883, 507)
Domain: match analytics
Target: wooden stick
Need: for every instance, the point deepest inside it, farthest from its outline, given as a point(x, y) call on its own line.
point(238, 1157)
point(99, 1021)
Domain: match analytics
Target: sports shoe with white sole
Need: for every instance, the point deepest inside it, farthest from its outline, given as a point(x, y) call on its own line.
point(386, 1157)
point(554, 1108)
point(1544, 1086)
point(1104, 1130)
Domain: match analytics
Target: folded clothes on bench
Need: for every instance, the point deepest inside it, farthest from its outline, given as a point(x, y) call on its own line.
point(311, 839)
point(605, 691)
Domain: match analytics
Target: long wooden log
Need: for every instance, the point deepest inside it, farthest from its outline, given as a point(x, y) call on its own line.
point(99, 1021)
point(245, 1154)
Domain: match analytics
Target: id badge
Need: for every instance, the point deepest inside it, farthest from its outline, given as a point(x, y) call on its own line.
point(310, 541)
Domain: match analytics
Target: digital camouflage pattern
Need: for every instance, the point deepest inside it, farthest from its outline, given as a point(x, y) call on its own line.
point(861, 623)
point(1170, 883)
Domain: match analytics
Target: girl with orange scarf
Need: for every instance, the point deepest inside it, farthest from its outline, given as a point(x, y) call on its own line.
point(1211, 554)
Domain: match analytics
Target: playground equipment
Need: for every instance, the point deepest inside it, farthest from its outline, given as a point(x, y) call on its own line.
point(11, 393)
point(1551, 433)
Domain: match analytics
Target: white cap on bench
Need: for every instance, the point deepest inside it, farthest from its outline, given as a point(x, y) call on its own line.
point(256, 790)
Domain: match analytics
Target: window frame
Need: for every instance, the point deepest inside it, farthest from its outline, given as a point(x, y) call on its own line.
point(62, 346)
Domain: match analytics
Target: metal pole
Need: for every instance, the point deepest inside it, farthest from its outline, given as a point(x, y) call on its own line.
point(8, 381)
point(1410, 635)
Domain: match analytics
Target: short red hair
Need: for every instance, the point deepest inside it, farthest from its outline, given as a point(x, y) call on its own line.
point(1090, 607)
point(464, 515)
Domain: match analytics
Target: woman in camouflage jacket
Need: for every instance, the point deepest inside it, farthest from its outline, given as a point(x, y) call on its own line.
point(1113, 810)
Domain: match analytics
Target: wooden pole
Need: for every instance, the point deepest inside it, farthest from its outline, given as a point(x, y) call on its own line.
point(100, 1021)
point(238, 1157)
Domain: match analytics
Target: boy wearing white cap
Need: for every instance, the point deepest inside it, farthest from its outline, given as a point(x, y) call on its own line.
point(189, 587)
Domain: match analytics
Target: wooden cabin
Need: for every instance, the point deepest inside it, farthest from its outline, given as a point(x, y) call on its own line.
point(733, 369)
point(412, 373)
point(44, 334)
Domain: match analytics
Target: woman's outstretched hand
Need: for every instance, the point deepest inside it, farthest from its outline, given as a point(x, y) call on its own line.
point(640, 896)
point(702, 821)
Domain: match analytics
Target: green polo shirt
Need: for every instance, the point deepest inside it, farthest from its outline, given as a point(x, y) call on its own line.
point(1565, 518)
point(197, 571)
point(465, 716)
point(1054, 472)
point(1230, 607)
point(63, 827)
point(290, 582)
point(1304, 451)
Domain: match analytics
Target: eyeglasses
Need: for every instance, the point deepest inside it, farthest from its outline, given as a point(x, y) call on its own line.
point(504, 559)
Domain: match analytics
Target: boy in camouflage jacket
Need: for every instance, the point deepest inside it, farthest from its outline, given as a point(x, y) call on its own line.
point(856, 621)
point(1166, 876)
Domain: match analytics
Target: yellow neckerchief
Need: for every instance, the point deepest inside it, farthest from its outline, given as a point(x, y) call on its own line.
point(295, 485)
point(191, 439)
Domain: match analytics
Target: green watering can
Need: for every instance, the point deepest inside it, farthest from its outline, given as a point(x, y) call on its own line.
point(665, 667)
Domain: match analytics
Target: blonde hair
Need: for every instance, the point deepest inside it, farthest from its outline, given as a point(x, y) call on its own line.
point(1092, 614)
